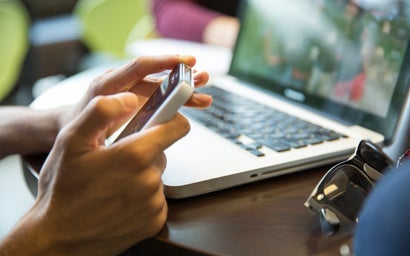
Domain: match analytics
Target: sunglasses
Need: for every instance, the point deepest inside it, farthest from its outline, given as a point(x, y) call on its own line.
point(339, 195)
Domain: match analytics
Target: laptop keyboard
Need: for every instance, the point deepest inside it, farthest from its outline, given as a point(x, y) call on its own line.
point(251, 125)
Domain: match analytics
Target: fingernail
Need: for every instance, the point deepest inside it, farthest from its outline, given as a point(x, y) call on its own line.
point(186, 57)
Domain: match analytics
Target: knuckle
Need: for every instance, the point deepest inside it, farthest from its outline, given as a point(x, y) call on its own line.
point(181, 122)
point(135, 65)
point(97, 81)
point(185, 126)
point(145, 154)
point(158, 219)
point(99, 105)
point(65, 137)
point(152, 182)
point(98, 102)
point(157, 226)
point(161, 162)
point(139, 156)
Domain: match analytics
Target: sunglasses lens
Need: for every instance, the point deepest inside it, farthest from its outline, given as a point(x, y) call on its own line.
point(329, 222)
point(346, 190)
point(374, 156)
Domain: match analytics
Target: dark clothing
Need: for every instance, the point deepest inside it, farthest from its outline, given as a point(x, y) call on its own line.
point(384, 226)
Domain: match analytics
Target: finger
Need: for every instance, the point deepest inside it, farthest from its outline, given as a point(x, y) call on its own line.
point(169, 132)
point(149, 84)
point(201, 78)
point(125, 77)
point(100, 115)
point(144, 66)
point(159, 137)
point(199, 100)
point(146, 88)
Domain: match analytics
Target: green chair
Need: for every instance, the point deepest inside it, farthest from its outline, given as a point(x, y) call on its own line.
point(108, 26)
point(14, 25)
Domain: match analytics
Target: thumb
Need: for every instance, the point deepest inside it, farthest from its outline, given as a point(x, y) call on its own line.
point(100, 115)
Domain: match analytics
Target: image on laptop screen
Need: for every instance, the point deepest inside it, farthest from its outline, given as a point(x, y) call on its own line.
point(344, 57)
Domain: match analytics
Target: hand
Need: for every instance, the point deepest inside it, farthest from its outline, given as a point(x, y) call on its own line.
point(93, 199)
point(97, 200)
point(134, 77)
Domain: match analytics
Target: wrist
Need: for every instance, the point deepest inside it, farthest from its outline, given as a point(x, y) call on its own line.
point(27, 131)
point(30, 236)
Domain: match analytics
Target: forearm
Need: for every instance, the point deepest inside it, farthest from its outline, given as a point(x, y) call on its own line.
point(26, 131)
point(20, 241)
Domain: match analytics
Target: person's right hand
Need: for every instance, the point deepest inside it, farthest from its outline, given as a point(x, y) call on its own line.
point(98, 200)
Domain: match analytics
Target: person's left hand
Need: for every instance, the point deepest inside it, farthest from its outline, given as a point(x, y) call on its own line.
point(134, 77)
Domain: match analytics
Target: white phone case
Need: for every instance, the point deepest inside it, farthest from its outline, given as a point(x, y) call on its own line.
point(164, 108)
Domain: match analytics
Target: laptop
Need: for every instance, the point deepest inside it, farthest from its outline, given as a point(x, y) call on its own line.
point(308, 80)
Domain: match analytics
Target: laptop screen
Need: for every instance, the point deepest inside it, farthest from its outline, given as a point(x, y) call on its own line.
point(346, 58)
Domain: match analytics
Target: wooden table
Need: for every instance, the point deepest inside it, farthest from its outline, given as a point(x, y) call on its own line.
point(263, 218)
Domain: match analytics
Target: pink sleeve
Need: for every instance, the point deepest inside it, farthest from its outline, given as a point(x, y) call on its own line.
point(181, 19)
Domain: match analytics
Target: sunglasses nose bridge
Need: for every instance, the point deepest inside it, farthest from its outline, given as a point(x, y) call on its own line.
point(329, 221)
point(371, 172)
point(330, 216)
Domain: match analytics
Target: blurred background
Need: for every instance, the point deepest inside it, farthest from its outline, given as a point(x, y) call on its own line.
point(45, 41)
point(45, 38)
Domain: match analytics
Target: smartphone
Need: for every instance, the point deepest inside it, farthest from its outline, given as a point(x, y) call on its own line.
point(163, 105)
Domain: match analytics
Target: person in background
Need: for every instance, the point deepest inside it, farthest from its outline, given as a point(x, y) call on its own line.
point(210, 22)
point(95, 199)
